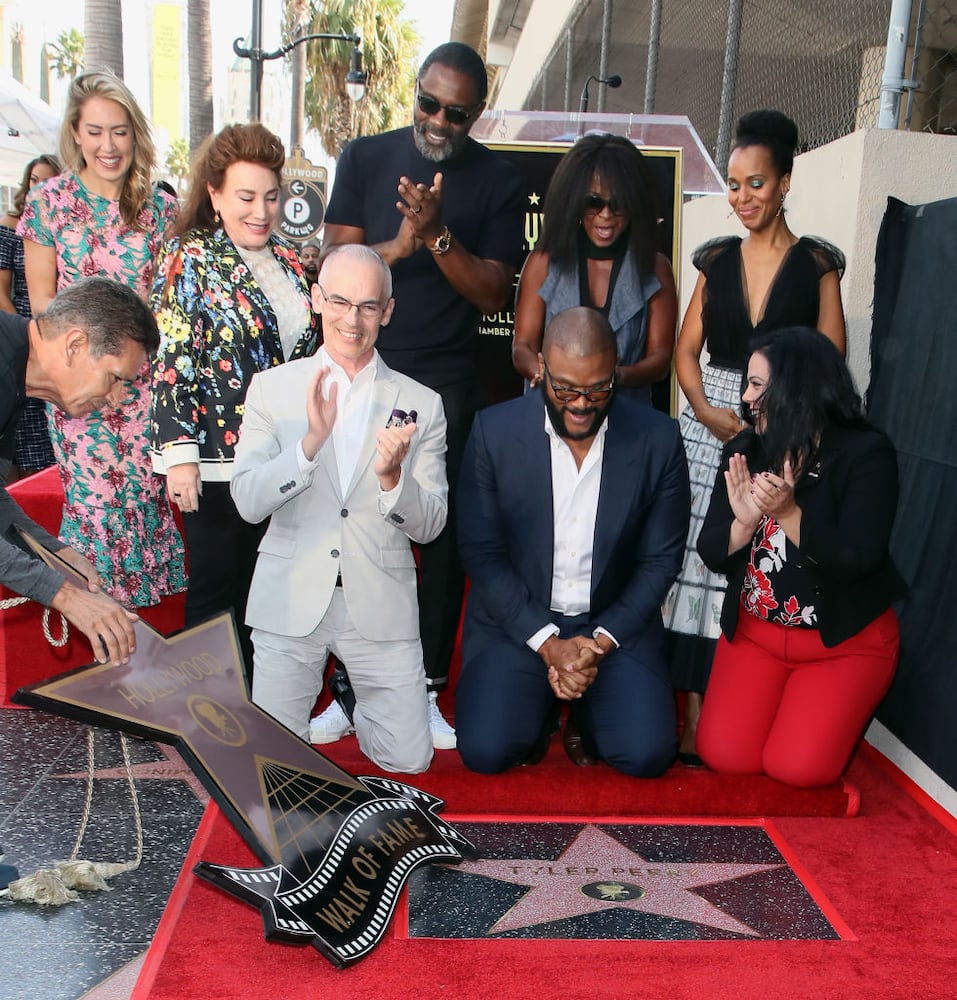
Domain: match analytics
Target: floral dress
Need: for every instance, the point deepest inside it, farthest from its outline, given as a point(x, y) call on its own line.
point(115, 508)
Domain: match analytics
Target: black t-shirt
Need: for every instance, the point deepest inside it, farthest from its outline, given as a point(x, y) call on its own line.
point(433, 334)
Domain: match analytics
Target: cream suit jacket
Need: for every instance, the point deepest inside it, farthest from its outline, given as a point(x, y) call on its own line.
point(316, 533)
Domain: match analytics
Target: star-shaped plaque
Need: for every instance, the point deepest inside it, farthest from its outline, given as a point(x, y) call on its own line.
point(596, 872)
point(339, 848)
point(623, 880)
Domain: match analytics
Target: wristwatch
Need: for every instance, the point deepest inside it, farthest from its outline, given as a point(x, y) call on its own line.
point(442, 243)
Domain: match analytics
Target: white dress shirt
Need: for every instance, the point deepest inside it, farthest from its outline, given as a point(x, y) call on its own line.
point(353, 406)
point(574, 514)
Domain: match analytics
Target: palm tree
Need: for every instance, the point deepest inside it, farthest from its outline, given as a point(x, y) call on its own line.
point(103, 32)
point(177, 162)
point(389, 48)
point(200, 74)
point(67, 53)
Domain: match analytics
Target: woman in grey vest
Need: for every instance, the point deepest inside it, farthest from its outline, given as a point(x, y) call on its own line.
point(599, 249)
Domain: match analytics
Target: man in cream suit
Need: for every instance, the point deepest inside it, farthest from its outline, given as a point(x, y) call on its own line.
point(347, 459)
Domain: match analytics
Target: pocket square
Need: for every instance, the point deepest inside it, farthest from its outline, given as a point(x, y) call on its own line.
point(399, 418)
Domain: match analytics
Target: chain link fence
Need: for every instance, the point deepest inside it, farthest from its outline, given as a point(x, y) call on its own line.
point(818, 61)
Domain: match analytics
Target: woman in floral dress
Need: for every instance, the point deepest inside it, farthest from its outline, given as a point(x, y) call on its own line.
point(103, 217)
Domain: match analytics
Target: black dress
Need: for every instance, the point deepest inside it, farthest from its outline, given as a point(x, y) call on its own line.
point(692, 609)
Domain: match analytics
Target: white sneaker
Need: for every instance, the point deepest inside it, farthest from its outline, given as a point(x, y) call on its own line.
point(443, 735)
point(330, 725)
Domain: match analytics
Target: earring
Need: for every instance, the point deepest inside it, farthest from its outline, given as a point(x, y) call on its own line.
point(781, 206)
point(216, 215)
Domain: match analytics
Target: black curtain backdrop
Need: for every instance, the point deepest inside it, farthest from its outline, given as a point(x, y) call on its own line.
point(913, 397)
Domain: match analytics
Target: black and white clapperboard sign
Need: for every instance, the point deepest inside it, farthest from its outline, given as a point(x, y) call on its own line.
point(336, 849)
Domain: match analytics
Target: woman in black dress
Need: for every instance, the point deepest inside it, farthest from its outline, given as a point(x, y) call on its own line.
point(767, 280)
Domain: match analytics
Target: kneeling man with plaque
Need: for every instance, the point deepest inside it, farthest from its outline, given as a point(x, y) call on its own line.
point(347, 459)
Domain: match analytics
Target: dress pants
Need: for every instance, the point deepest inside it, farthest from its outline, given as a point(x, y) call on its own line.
point(781, 702)
point(503, 701)
point(391, 714)
point(222, 550)
point(441, 577)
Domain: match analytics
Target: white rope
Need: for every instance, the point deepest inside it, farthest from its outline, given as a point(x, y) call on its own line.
point(14, 602)
point(55, 886)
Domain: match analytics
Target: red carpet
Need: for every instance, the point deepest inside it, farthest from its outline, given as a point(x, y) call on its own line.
point(889, 875)
point(557, 788)
point(25, 655)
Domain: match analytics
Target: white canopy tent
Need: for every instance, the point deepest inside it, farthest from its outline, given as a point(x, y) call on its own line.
point(28, 127)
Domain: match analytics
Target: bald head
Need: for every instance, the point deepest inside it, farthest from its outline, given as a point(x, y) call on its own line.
point(580, 333)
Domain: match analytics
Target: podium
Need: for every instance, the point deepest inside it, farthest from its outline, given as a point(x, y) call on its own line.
point(534, 142)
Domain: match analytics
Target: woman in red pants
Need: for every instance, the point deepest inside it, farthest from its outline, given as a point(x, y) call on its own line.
point(800, 521)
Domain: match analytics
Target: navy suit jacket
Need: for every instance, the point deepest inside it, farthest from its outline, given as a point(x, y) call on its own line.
point(506, 525)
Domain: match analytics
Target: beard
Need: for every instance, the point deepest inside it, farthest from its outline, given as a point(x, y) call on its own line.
point(556, 416)
point(454, 144)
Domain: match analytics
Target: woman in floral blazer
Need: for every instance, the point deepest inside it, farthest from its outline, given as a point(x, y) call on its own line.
point(230, 300)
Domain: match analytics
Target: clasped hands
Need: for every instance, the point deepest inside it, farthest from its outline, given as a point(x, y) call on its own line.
point(572, 664)
point(421, 208)
point(752, 497)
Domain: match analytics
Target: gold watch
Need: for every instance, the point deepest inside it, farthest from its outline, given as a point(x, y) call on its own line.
point(442, 243)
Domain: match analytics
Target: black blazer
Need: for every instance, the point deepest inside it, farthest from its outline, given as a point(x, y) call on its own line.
point(506, 530)
point(848, 500)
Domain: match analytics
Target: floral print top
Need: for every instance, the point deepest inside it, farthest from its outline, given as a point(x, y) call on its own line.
point(775, 589)
point(89, 235)
point(115, 508)
point(217, 330)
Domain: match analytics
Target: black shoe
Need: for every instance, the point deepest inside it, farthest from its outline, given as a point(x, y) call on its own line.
point(341, 690)
point(690, 759)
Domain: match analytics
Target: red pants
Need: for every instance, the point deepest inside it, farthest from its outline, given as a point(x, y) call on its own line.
point(781, 702)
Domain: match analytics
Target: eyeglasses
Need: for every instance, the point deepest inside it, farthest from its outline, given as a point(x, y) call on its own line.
point(454, 115)
point(595, 203)
point(567, 393)
point(339, 304)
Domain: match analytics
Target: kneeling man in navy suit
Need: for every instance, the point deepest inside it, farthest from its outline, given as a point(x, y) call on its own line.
point(573, 512)
point(346, 458)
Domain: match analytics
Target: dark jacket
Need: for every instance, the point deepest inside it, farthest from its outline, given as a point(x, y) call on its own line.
point(21, 571)
point(848, 499)
point(506, 530)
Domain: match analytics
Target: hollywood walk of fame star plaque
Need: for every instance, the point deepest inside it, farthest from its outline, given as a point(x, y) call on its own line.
point(338, 848)
point(619, 880)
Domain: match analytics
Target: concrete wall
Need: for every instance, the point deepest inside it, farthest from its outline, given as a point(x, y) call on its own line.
point(840, 192)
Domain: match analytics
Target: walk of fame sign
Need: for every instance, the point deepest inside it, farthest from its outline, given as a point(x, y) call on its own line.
point(337, 849)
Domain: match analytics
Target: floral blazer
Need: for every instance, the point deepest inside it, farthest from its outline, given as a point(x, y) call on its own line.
point(217, 330)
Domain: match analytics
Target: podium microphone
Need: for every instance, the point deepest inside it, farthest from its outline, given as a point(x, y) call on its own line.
point(613, 81)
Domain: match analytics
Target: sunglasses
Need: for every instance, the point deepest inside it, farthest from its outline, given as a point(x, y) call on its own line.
point(595, 203)
point(453, 115)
